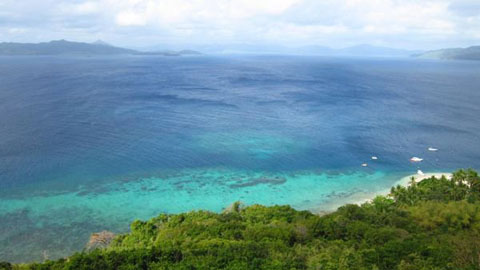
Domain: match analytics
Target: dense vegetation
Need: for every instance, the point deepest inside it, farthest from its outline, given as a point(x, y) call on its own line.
point(434, 224)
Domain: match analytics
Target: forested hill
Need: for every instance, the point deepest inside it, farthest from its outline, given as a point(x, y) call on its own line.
point(434, 224)
point(64, 47)
point(470, 53)
point(59, 47)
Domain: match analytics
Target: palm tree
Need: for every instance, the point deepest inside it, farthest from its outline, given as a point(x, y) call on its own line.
point(412, 181)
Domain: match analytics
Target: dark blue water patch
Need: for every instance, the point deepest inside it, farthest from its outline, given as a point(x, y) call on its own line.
point(90, 118)
point(259, 181)
point(176, 100)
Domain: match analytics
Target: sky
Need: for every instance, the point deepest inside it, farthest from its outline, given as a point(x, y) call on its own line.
point(411, 24)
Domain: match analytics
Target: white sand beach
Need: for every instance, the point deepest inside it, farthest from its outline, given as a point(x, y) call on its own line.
point(363, 197)
point(405, 181)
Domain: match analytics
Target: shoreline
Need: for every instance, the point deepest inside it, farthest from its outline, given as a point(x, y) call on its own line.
point(360, 198)
point(405, 181)
point(115, 207)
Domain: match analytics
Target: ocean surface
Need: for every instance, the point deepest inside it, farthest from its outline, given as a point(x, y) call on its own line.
point(92, 143)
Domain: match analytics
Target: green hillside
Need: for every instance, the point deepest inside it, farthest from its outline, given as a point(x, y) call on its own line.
point(470, 53)
point(64, 47)
point(434, 224)
point(60, 47)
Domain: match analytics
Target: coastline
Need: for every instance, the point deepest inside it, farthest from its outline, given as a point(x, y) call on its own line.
point(405, 181)
point(116, 205)
point(360, 198)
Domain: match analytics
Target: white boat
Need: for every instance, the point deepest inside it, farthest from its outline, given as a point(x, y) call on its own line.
point(374, 158)
point(364, 165)
point(416, 159)
point(432, 149)
point(419, 172)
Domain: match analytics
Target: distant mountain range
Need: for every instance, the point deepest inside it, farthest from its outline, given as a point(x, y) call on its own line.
point(363, 50)
point(63, 47)
point(470, 53)
point(358, 50)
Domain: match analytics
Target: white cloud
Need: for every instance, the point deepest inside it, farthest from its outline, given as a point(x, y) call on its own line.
point(298, 34)
point(16, 31)
point(130, 18)
point(86, 8)
point(181, 11)
point(414, 23)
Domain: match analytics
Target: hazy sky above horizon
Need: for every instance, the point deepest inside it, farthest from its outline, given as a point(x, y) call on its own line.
point(413, 24)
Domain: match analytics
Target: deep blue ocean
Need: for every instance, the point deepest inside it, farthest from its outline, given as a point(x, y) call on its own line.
point(92, 143)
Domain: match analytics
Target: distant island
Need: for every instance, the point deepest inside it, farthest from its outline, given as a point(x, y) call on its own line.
point(64, 47)
point(470, 53)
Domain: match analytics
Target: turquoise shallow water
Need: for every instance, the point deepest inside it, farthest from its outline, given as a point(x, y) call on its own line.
point(60, 223)
point(66, 219)
point(204, 189)
point(90, 144)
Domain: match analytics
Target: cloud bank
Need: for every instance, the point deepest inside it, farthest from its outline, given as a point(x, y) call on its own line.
point(414, 24)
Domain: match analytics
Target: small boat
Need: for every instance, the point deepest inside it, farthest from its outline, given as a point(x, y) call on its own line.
point(374, 158)
point(416, 159)
point(419, 172)
point(364, 165)
point(432, 149)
